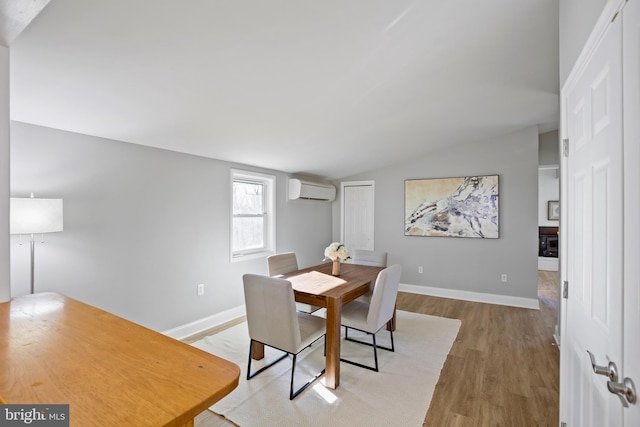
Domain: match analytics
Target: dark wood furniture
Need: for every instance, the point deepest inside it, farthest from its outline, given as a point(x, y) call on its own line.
point(316, 286)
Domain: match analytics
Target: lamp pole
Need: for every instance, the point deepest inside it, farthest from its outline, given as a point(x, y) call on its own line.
point(33, 250)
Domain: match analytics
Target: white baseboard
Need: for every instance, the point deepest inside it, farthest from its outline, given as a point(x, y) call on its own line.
point(208, 322)
point(548, 264)
point(472, 296)
point(218, 319)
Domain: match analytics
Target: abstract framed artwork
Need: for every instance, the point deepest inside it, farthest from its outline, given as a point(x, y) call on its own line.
point(452, 207)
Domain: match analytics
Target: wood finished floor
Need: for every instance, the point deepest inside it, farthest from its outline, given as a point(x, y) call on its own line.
point(503, 369)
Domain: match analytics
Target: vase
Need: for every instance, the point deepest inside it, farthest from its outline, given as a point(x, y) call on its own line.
point(335, 270)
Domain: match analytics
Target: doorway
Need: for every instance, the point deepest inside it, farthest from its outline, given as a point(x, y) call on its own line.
point(357, 215)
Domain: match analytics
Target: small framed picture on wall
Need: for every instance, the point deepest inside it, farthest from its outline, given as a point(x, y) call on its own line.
point(553, 210)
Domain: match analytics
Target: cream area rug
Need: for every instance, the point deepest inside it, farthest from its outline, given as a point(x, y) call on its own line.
point(399, 394)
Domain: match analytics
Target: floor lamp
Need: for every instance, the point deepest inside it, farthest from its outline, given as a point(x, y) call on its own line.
point(35, 216)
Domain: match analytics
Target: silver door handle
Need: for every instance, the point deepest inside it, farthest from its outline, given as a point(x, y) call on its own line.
point(611, 370)
point(626, 388)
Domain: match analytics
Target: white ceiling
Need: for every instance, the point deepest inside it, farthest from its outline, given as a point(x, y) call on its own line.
point(15, 15)
point(329, 88)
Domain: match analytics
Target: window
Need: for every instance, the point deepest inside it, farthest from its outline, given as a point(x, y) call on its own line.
point(252, 214)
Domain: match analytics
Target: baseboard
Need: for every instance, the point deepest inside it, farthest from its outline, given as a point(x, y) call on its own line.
point(556, 336)
point(472, 296)
point(548, 264)
point(206, 323)
point(209, 322)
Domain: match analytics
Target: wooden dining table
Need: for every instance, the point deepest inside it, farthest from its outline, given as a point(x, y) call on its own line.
point(110, 371)
point(317, 286)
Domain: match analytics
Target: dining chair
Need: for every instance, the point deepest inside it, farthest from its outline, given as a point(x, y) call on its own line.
point(286, 263)
point(371, 317)
point(273, 320)
point(365, 257)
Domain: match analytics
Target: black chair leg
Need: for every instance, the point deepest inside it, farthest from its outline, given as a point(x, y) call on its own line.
point(293, 371)
point(249, 374)
point(292, 394)
point(375, 350)
point(392, 348)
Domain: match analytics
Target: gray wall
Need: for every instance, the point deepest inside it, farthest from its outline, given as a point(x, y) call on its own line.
point(143, 227)
point(577, 19)
point(548, 189)
point(5, 293)
point(549, 149)
point(463, 263)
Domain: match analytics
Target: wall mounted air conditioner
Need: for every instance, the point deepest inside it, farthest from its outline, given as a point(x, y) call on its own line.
point(301, 189)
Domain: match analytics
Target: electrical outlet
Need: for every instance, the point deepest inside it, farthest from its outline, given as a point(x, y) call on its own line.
point(420, 269)
point(200, 289)
point(504, 278)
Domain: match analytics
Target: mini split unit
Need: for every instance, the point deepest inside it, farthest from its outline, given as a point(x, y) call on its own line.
point(300, 189)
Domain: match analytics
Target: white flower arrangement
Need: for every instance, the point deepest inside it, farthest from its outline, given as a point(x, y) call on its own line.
point(336, 251)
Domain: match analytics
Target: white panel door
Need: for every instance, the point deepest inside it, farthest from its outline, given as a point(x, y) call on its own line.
point(358, 215)
point(594, 234)
point(631, 96)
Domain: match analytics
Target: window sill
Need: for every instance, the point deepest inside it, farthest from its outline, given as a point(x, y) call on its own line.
point(252, 255)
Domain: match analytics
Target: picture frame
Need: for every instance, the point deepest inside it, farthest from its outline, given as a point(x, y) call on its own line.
point(464, 206)
point(553, 210)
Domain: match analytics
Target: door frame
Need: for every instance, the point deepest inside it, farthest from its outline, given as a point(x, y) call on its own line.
point(344, 184)
point(631, 197)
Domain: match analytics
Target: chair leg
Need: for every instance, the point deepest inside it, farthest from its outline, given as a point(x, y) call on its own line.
point(293, 371)
point(293, 394)
point(249, 374)
point(375, 354)
point(375, 350)
point(392, 348)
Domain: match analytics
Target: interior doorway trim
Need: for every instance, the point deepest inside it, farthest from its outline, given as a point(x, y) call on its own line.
point(344, 184)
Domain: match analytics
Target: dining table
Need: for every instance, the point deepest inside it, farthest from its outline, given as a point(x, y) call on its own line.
point(55, 350)
point(317, 286)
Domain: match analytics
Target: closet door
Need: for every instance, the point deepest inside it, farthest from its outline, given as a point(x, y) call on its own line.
point(358, 214)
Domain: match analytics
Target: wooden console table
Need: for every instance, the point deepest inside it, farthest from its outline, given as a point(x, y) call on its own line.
point(56, 350)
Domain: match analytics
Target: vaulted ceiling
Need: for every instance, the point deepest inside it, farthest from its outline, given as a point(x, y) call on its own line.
point(329, 88)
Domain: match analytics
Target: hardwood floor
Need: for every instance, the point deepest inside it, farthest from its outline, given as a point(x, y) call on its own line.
point(503, 369)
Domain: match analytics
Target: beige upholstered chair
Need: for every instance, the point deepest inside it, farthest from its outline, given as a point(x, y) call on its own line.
point(371, 317)
point(273, 321)
point(286, 263)
point(364, 257)
point(373, 258)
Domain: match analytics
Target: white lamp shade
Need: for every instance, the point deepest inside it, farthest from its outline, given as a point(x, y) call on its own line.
point(35, 216)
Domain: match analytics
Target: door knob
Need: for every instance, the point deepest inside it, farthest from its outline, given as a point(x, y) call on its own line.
point(611, 370)
point(626, 389)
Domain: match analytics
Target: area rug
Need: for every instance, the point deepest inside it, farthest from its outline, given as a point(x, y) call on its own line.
point(399, 394)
